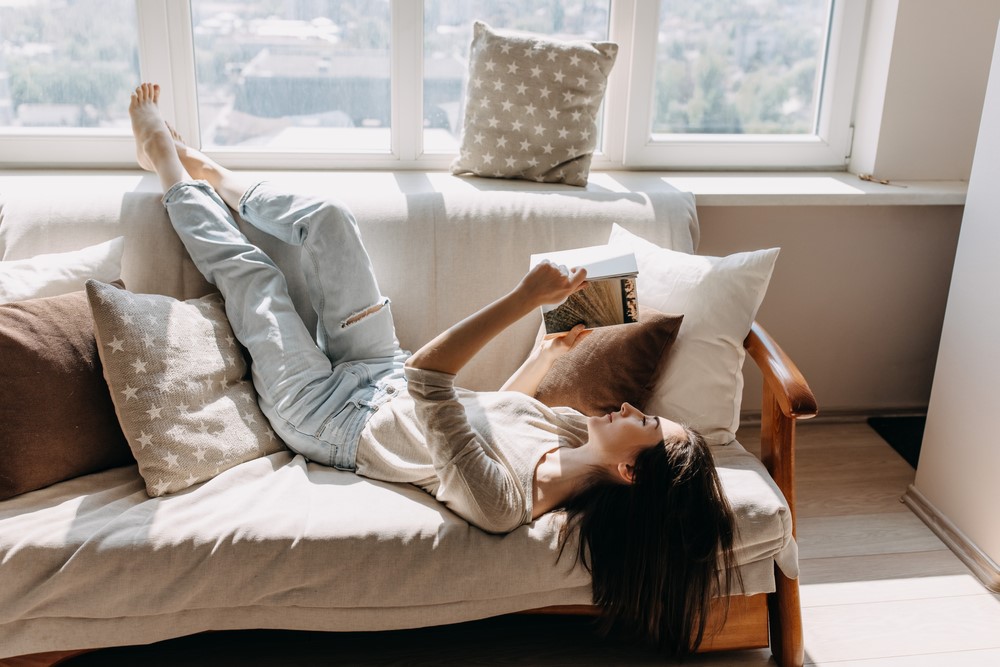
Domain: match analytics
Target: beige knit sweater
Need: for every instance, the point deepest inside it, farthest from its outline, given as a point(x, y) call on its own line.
point(474, 451)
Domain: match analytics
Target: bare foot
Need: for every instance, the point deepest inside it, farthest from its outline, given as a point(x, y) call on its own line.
point(197, 164)
point(173, 133)
point(188, 162)
point(147, 124)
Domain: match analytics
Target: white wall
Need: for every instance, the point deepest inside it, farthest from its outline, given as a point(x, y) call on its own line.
point(857, 297)
point(960, 456)
point(921, 86)
point(859, 293)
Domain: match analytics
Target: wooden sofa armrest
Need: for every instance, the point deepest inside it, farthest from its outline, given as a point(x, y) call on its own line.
point(780, 373)
point(787, 398)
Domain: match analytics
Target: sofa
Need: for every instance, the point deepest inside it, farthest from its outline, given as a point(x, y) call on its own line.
point(280, 542)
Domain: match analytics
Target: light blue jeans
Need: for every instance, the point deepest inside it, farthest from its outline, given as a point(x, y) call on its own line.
point(318, 392)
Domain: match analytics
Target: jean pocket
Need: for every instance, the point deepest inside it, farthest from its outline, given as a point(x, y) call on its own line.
point(328, 429)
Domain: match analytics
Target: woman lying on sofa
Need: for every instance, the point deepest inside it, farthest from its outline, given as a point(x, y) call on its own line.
point(655, 530)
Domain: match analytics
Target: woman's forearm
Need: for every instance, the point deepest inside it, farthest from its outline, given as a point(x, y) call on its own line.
point(451, 350)
point(545, 283)
point(527, 378)
point(531, 373)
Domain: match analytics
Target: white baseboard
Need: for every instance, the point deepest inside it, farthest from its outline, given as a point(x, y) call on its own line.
point(984, 567)
point(845, 416)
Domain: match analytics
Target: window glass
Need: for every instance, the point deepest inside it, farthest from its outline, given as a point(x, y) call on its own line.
point(739, 66)
point(310, 75)
point(448, 34)
point(64, 64)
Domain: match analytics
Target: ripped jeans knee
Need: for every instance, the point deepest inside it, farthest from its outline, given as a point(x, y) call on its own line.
point(367, 334)
point(360, 315)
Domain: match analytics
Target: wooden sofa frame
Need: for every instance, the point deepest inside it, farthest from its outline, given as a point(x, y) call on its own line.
point(767, 619)
point(756, 621)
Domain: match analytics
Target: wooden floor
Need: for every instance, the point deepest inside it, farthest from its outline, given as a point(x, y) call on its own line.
point(878, 588)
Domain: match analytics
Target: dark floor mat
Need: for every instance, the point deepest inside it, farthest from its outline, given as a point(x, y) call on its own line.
point(904, 434)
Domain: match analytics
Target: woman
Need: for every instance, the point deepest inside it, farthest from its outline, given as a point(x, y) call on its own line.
point(655, 529)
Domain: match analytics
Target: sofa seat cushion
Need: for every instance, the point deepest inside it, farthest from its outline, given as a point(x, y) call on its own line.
point(282, 534)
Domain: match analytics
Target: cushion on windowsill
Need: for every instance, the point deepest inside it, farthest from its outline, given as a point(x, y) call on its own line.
point(532, 106)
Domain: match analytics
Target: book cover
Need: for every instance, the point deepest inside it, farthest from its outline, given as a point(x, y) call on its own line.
point(608, 297)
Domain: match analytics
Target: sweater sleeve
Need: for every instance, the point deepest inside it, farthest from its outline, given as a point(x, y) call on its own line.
point(476, 482)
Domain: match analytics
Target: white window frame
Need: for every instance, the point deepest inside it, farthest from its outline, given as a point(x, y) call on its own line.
point(166, 55)
point(829, 148)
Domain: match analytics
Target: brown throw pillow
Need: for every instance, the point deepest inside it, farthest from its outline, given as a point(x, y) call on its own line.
point(56, 411)
point(612, 365)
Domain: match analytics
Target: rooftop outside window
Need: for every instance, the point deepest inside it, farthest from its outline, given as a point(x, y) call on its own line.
point(293, 76)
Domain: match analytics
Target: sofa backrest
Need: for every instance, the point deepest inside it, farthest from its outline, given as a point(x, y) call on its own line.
point(441, 250)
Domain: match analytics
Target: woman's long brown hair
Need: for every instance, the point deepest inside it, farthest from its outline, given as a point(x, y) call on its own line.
point(658, 549)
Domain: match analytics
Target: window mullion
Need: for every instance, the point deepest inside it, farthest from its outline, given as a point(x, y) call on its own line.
point(183, 81)
point(840, 75)
point(407, 78)
point(641, 74)
point(154, 41)
point(616, 96)
point(166, 56)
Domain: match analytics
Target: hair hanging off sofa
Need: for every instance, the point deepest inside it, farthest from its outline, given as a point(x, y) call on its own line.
point(658, 549)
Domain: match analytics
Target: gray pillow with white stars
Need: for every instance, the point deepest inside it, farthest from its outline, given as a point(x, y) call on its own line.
point(531, 106)
point(179, 384)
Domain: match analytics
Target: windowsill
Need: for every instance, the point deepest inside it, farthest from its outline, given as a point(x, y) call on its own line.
point(709, 188)
point(793, 188)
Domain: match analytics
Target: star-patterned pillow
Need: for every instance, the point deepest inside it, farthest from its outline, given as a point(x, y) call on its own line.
point(531, 106)
point(179, 384)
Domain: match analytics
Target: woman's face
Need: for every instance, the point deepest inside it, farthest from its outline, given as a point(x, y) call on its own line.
point(628, 431)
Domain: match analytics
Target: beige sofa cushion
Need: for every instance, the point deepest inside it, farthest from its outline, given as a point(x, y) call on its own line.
point(702, 384)
point(280, 534)
point(52, 274)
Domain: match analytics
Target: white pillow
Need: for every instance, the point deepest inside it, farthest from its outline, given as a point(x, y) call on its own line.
point(702, 385)
point(60, 273)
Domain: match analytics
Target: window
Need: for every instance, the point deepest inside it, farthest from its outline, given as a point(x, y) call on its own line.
point(743, 83)
point(62, 65)
point(739, 66)
point(311, 76)
point(380, 83)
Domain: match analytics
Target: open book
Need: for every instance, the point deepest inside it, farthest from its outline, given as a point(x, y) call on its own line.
point(609, 296)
